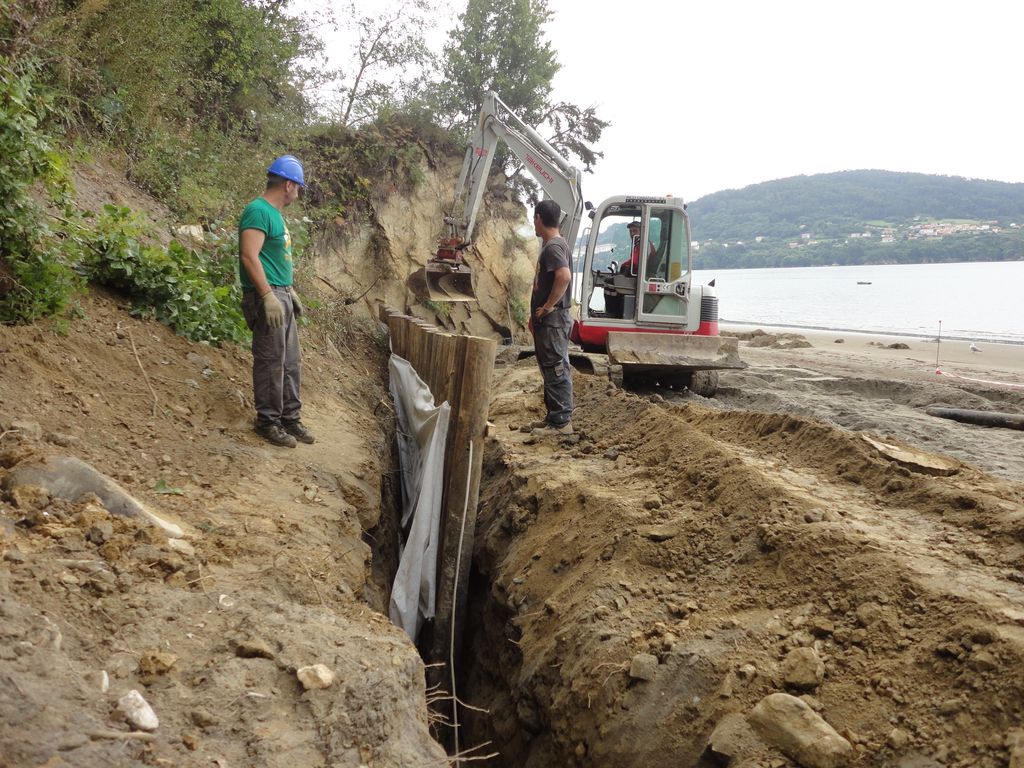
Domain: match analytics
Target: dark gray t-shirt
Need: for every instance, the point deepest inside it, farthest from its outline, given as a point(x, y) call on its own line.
point(553, 255)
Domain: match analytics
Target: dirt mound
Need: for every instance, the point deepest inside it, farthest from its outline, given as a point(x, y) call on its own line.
point(658, 577)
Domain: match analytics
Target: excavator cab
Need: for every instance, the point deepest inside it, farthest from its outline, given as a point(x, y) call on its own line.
point(637, 246)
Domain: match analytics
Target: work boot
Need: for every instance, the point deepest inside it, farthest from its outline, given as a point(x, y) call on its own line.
point(298, 430)
point(549, 430)
point(274, 433)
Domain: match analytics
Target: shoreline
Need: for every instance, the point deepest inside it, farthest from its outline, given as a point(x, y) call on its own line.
point(997, 362)
point(928, 337)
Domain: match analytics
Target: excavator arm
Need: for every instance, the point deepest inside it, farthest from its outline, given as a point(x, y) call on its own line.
point(447, 277)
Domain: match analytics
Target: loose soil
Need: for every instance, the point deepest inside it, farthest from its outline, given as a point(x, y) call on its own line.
point(713, 535)
point(277, 573)
point(806, 506)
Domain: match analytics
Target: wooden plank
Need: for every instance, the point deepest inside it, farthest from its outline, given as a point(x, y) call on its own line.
point(473, 370)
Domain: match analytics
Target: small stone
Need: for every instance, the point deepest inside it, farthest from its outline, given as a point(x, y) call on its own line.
point(198, 360)
point(800, 733)
point(315, 676)
point(652, 502)
point(644, 666)
point(868, 614)
point(983, 661)
point(747, 672)
point(803, 669)
point(811, 702)
point(612, 454)
point(950, 707)
point(182, 547)
point(14, 556)
point(66, 743)
point(100, 533)
point(137, 711)
point(821, 627)
point(156, 662)
point(202, 718)
point(897, 738)
point(733, 738)
point(59, 438)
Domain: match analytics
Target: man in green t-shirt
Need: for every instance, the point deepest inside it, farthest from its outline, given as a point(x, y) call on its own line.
point(270, 305)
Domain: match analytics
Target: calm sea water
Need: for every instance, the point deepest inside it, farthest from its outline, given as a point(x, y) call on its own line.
point(974, 301)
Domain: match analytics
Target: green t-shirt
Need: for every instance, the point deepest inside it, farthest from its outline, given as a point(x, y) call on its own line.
point(276, 253)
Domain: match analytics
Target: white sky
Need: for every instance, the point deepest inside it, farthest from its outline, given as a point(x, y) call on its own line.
point(719, 94)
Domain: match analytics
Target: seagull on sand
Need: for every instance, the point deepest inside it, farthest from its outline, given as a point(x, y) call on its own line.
point(975, 347)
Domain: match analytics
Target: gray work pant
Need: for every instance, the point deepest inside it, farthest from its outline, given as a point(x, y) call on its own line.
point(551, 342)
point(276, 360)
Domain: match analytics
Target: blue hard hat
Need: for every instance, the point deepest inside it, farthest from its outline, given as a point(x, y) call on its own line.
point(288, 167)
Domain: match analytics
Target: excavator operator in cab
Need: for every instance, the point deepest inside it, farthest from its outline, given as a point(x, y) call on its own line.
point(633, 265)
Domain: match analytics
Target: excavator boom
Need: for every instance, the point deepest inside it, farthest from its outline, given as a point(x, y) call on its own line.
point(446, 276)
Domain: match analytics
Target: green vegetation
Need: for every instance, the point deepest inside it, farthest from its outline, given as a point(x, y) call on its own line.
point(36, 275)
point(519, 308)
point(499, 46)
point(442, 309)
point(859, 217)
point(195, 294)
point(193, 99)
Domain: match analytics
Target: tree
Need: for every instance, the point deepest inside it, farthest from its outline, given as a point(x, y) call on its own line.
point(389, 62)
point(499, 46)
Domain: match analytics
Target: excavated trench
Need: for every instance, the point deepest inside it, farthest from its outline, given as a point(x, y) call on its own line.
point(637, 590)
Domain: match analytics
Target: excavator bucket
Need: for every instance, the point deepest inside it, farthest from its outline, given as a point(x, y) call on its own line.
point(449, 282)
point(446, 277)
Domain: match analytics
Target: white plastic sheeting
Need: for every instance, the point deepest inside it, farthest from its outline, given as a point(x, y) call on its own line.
point(422, 432)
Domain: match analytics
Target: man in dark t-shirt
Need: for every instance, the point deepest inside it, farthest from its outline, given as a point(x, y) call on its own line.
point(549, 310)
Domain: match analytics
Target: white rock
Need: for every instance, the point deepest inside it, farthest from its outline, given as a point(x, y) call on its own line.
point(315, 676)
point(789, 724)
point(181, 546)
point(137, 711)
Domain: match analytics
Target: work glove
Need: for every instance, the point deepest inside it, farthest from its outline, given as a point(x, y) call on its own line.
point(273, 310)
point(296, 304)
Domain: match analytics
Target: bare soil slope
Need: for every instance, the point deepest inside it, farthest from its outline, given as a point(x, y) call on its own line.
point(275, 573)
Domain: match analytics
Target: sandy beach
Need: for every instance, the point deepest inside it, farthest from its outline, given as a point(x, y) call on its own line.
point(883, 385)
point(992, 361)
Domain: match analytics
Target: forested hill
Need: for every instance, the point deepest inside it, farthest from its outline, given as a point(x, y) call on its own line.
point(859, 217)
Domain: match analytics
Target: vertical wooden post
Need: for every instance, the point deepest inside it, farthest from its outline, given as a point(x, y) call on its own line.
point(474, 365)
